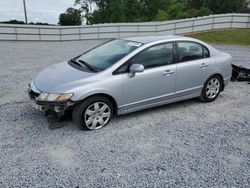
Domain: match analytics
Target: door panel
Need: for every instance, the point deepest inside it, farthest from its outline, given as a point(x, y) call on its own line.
point(156, 83)
point(153, 85)
point(191, 76)
point(193, 69)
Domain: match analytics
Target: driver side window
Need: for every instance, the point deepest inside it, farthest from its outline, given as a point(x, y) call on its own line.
point(155, 56)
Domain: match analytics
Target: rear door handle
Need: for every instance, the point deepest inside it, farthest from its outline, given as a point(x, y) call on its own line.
point(203, 65)
point(168, 72)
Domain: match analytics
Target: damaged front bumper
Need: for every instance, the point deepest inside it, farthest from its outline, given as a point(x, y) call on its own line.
point(56, 109)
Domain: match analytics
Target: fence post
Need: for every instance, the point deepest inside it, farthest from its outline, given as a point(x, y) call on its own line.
point(60, 33)
point(98, 32)
point(248, 24)
point(232, 20)
point(39, 34)
point(16, 33)
point(213, 23)
point(118, 30)
point(137, 29)
point(193, 26)
point(174, 27)
point(79, 33)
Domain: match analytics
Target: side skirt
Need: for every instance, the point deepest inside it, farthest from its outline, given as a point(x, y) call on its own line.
point(152, 105)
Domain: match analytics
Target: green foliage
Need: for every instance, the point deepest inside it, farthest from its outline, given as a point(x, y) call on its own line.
point(13, 22)
point(39, 23)
point(161, 15)
point(22, 22)
point(114, 11)
point(203, 11)
point(195, 4)
point(222, 6)
point(219, 6)
point(70, 17)
point(175, 10)
point(131, 10)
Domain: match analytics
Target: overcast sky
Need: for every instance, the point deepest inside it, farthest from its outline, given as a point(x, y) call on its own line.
point(37, 10)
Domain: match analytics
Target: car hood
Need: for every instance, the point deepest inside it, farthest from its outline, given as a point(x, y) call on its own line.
point(60, 78)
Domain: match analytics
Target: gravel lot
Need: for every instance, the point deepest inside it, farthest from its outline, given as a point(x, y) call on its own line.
point(186, 144)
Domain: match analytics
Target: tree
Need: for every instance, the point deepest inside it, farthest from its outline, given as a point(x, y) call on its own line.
point(195, 4)
point(219, 6)
point(175, 10)
point(13, 22)
point(131, 10)
point(97, 16)
point(222, 6)
point(70, 17)
point(161, 16)
point(113, 11)
point(190, 13)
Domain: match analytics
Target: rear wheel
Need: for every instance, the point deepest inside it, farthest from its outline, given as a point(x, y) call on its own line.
point(211, 89)
point(93, 113)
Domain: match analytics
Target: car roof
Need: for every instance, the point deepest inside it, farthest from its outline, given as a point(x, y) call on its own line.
point(149, 39)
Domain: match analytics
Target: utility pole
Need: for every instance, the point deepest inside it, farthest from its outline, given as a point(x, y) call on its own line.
point(25, 12)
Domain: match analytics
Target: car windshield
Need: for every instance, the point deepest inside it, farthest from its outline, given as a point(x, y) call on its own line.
point(105, 55)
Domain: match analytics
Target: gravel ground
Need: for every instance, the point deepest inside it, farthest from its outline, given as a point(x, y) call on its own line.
point(186, 144)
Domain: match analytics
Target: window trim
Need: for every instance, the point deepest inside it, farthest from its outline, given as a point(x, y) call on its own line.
point(174, 53)
point(203, 47)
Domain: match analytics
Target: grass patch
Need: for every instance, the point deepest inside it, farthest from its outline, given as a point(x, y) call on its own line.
point(234, 37)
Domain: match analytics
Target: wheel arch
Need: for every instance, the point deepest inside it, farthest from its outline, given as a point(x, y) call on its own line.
point(112, 100)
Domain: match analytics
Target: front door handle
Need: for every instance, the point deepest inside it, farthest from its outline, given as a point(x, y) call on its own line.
point(168, 72)
point(203, 65)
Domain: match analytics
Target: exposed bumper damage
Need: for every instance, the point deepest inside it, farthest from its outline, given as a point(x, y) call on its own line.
point(240, 73)
point(54, 111)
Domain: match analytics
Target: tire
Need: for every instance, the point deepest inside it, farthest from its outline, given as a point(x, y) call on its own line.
point(93, 113)
point(211, 89)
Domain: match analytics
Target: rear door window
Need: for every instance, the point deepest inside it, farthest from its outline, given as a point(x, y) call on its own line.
point(189, 51)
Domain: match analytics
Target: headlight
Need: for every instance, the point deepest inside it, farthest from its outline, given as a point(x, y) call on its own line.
point(52, 97)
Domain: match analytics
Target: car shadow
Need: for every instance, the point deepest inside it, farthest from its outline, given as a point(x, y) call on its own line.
point(59, 123)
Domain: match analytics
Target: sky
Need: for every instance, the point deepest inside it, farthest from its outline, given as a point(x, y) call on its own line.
point(37, 10)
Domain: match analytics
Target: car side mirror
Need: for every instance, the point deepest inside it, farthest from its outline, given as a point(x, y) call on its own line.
point(135, 68)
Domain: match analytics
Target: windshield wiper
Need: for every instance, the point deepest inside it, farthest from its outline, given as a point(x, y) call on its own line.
point(76, 63)
point(88, 65)
point(81, 64)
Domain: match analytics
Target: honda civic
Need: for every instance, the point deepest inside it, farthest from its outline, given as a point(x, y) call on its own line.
point(130, 74)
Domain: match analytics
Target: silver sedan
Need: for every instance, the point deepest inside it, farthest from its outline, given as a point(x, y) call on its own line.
point(130, 74)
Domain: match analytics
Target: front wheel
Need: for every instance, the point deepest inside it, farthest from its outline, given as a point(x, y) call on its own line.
point(93, 113)
point(211, 89)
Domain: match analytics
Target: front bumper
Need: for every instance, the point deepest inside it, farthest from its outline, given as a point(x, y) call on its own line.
point(48, 108)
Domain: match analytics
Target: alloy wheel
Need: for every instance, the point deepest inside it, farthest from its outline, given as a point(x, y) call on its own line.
point(97, 115)
point(213, 88)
